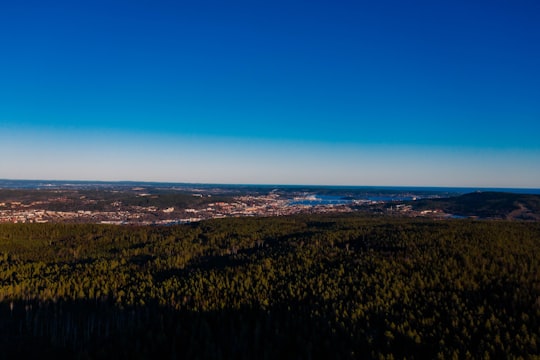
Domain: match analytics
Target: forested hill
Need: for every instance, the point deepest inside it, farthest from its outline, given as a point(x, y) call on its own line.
point(303, 287)
point(487, 205)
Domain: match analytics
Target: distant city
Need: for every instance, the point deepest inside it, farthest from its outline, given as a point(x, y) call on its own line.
point(141, 203)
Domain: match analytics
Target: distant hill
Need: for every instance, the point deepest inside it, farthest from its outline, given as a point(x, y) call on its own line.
point(499, 205)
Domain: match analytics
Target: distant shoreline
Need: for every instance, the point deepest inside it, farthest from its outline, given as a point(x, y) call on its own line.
point(78, 184)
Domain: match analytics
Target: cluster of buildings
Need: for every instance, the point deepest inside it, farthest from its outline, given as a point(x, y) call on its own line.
point(241, 206)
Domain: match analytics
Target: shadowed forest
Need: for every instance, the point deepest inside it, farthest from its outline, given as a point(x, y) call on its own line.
point(302, 287)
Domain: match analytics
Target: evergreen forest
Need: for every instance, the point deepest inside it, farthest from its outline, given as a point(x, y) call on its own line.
point(343, 286)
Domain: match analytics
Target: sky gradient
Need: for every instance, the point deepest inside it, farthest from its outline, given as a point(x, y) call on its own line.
point(417, 93)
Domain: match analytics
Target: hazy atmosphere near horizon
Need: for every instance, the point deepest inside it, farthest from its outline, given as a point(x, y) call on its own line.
point(416, 93)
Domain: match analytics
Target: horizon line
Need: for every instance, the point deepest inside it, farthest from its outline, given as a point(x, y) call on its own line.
point(149, 182)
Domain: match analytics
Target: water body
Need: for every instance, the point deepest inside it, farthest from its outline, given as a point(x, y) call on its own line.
point(321, 200)
point(340, 200)
point(324, 194)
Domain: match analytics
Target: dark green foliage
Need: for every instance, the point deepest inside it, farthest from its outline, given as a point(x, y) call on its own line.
point(286, 287)
point(486, 205)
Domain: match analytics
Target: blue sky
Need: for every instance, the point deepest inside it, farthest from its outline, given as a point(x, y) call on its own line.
point(440, 93)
